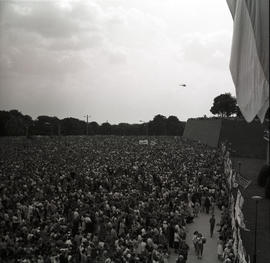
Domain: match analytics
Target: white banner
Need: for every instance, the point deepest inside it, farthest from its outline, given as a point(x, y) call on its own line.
point(235, 241)
point(143, 142)
point(241, 250)
point(238, 210)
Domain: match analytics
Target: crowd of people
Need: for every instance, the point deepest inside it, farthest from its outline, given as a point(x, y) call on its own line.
point(225, 248)
point(105, 199)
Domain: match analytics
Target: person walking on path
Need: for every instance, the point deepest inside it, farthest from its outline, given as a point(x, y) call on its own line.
point(195, 242)
point(196, 209)
point(176, 241)
point(212, 224)
point(201, 224)
point(220, 249)
point(212, 205)
point(203, 203)
point(207, 204)
point(201, 241)
point(180, 259)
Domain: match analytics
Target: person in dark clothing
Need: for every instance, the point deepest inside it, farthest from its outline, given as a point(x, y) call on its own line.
point(63, 258)
point(207, 204)
point(180, 259)
point(200, 241)
point(212, 224)
point(183, 250)
point(171, 235)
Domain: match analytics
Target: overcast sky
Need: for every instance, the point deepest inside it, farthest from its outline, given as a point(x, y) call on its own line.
point(117, 60)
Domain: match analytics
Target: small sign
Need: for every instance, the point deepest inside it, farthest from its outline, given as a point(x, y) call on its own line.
point(143, 142)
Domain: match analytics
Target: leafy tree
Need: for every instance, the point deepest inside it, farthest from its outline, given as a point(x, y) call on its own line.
point(14, 123)
point(17, 124)
point(28, 122)
point(224, 105)
point(143, 129)
point(174, 126)
point(238, 112)
point(93, 128)
point(46, 125)
point(158, 126)
point(137, 129)
point(4, 117)
point(73, 126)
point(105, 128)
point(14, 126)
point(123, 129)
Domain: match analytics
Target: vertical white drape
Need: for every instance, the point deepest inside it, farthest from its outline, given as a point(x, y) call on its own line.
point(249, 64)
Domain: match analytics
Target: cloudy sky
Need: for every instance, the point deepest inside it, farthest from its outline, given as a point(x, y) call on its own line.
point(117, 60)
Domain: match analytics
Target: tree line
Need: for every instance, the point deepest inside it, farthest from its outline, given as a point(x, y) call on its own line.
point(14, 123)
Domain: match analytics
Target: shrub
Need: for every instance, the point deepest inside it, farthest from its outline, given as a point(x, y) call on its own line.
point(263, 175)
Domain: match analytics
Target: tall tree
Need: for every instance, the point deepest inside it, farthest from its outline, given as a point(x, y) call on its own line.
point(4, 117)
point(158, 125)
point(174, 126)
point(73, 126)
point(46, 125)
point(224, 105)
point(28, 122)
point(93, 128)
point(238, 112)
point(105, 128)
point(17, 124)
point(14, 123)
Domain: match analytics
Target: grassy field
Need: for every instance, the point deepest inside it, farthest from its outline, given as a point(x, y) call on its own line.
point(250, 169)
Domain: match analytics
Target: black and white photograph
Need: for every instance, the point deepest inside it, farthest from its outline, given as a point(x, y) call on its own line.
point(134, 131)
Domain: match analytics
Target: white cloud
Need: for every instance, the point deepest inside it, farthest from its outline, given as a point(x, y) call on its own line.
point(207, 49)
point(100, 55)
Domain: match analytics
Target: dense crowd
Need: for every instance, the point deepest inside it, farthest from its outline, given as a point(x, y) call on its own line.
point(225, 248)
point(104, 199)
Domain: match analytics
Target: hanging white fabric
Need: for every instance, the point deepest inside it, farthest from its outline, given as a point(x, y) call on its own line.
point(249, 64)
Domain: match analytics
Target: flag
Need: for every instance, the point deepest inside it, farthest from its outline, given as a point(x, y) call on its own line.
point(242, 181)
point(235, 241)
point(232, 212)
point(249, 64)
point(240, 249)
point(238, 210)
point(234, 183)
point(230, 179)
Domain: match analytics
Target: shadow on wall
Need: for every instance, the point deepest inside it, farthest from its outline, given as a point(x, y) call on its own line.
point(245, 139)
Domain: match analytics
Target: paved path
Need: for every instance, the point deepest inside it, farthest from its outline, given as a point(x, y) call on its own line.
point(201, 224)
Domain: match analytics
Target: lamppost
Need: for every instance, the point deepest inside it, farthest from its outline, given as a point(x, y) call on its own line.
point(87, 116)
point(257, 198)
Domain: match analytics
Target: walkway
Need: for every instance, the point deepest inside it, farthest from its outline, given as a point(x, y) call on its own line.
point(201, 224)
